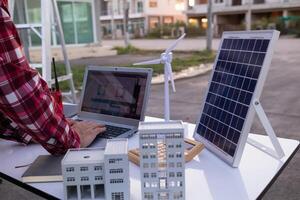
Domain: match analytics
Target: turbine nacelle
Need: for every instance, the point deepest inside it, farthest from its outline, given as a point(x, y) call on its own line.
point(166, 57)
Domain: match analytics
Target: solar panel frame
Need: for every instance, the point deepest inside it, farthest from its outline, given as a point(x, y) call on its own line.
point(272, 36)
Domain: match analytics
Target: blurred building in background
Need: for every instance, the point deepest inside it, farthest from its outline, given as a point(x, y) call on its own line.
point(87, 21)
point(246, 14)
point(144, 15)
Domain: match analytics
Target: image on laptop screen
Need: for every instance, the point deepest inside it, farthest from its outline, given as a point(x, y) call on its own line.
point(114, 93)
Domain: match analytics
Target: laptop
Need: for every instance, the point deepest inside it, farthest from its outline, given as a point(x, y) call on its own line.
point(116, 97)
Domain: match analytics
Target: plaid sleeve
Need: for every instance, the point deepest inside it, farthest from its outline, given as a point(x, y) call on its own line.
point(10, 131)
point(25, 98)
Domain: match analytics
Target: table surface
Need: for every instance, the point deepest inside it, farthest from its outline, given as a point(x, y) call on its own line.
point(207, 176)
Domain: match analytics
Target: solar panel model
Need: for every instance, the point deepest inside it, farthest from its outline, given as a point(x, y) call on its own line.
point(237, 80)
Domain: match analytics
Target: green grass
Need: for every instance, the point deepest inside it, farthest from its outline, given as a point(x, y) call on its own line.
point(193, 59)
point(126, 50)
point(178, 64)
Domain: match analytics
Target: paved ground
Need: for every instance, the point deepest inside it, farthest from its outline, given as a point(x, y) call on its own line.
point(159, 44)
point(280, 98)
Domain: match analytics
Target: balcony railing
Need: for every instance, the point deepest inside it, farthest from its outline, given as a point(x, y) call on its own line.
point(259, 1)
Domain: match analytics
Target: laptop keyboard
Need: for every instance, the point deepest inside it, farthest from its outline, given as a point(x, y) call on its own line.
point(112, 132)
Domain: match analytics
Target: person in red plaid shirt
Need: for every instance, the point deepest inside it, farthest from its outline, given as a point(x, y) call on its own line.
point(26, 106)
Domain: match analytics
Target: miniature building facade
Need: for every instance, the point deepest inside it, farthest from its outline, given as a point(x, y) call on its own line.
point(117, 170)
point(85, 177)
point(162, 160)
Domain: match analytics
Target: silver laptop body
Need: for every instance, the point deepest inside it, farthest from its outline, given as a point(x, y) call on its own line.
point(115, 96)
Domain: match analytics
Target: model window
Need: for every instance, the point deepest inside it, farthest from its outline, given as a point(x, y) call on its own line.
point(178, 155)
point(171, 155)
point(148, 195)
point(179, 174)
point(145, 156)
point(115, 160)
point(145, 165)
point(154, 185)
point(84, 178)
point(152, 146)
point(146, 184)
point(171, 174)
point(172, 184)
point(152, 156)
point(98, 178)
point(179, 164)
point(153, 175)
point(98, 168)
point(145, 146)
point(116, 180)
point(70, 179)
point(179, 183)
point(84, 168)
point(170, 145)
point(117, 196)
point(178, 146)
point(116, 171)
point(178, 195)
point(70, 169)
point(146, 175)
point(171, 165)
point(153, 165)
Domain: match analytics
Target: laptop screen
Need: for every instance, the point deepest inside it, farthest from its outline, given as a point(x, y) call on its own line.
point(115, 93)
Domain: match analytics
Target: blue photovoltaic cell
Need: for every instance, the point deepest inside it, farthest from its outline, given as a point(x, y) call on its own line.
point(229, 96)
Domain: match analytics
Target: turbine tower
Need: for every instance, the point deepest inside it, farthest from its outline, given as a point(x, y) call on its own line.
point(166, 59)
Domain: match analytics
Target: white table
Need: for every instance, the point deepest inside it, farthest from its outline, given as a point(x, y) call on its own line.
point(207, 177)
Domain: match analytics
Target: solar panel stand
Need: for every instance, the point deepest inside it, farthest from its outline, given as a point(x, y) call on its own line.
point(278, 151)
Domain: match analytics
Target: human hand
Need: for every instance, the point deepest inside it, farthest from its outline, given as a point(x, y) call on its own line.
point(87, 131)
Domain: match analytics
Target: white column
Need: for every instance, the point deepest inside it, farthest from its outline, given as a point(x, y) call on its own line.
point(98, 28)
point(248, 20)
point(46, 8)
point(285, 13)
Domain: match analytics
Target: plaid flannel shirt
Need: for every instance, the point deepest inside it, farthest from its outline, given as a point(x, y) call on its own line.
point(26, 105)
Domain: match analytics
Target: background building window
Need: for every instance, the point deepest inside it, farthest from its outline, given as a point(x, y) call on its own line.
point(153, 3)
point(140, 7)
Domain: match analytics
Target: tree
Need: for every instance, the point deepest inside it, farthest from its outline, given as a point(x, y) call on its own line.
point(209, 34)
point(125, 22)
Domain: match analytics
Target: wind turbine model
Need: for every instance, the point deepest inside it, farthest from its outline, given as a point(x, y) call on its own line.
point(166, 59)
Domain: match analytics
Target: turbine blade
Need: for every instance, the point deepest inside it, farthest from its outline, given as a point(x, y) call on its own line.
point(170, 75)
point(172, 47)
point(150, 62)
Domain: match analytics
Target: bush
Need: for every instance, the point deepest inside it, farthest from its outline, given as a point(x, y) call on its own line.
point(126, 50)
point(167, 30)
point(154, 33)
point(194, 31)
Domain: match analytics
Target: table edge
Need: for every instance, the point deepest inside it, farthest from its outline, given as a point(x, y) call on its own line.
point(27, 187)
point(261, 195)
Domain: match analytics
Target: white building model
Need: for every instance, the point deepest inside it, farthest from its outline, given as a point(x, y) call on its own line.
point(97, 173)
point(162, 160)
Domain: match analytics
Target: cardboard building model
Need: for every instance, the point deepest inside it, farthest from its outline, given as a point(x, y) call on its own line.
point(97, 173)
point(162, 160)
